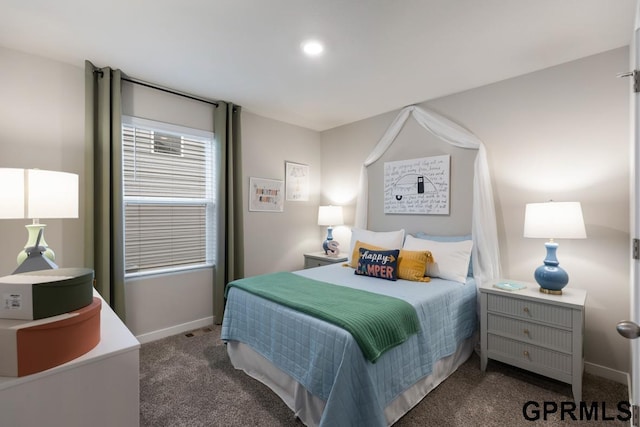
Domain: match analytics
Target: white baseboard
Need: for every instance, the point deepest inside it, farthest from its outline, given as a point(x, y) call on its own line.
point(174, 330)
point(608, 373)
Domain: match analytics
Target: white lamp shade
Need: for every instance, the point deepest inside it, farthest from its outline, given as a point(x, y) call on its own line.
point(12, 193)
point(330, 215)
point(554, 220)
point(35, 193)
point(52, 194)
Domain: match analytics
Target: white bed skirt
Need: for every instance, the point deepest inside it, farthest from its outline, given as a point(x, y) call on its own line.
point(308, 408)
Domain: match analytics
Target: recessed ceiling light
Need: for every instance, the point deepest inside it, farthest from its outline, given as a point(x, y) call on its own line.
point(312, 47)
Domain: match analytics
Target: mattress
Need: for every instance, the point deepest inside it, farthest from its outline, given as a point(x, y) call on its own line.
point(327, 364)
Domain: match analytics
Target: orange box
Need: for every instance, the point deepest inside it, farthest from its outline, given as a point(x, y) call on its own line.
point(30, 346)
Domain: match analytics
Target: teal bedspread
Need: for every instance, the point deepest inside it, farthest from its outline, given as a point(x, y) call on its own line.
point(377, 322)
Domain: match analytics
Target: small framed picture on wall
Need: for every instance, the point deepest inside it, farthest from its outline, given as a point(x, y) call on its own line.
point(266, 195)
point(297, 182)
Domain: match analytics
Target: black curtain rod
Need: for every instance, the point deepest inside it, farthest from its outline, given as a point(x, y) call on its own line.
point(164, 89)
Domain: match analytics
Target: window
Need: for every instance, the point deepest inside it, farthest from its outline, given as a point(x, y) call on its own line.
point(169, 204)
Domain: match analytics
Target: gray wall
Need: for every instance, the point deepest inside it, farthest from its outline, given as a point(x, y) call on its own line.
point(276, 241)
point(560, 133)
point(42, 126)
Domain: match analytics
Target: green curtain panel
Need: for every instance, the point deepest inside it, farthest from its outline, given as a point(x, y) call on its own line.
point(104, 199)
point(103, 210)
point(230, 262)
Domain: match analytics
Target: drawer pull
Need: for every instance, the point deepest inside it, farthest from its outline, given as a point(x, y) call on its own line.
point(526, 332)
point(525, 354)
point(526, 310)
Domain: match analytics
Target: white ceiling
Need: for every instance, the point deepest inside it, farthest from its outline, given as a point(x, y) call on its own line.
point(380, 55)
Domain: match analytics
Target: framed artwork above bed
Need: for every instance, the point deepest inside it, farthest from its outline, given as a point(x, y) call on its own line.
point(417, 186)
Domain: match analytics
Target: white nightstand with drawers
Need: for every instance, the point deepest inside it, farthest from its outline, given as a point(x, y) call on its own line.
point(318, 259)
point(535, 331)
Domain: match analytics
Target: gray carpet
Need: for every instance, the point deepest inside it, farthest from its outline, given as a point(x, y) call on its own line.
point(188, 381)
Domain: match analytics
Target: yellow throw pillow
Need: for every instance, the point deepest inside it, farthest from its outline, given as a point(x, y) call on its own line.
point(355, 256)
point(412, 265)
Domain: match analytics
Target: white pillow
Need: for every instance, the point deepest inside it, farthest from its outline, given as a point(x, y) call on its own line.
point(383, 239)
point(451, 259)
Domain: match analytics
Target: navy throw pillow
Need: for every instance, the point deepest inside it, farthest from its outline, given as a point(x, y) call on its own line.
point(380, 264)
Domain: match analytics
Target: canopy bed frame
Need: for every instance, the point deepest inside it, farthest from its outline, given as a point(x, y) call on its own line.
point(318, 367)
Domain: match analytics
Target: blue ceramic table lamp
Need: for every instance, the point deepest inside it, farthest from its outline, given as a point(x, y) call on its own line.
point(553, 220)
point(330, 216)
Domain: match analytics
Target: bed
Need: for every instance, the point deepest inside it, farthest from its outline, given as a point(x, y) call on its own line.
point(319, 369)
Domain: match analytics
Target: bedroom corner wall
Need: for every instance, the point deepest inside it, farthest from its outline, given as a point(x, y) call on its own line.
point(276, 241)
point(42, 126)
point(561, 133)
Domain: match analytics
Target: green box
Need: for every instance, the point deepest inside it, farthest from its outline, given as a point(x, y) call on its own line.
point(39, 294)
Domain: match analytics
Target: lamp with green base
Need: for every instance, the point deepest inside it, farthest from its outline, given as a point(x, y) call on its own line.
point(35, 194)
point(34, 230)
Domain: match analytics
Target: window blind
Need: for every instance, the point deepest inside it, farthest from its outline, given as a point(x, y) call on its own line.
point(168, 197)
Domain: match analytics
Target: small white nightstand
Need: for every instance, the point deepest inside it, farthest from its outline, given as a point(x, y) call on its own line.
point(538, 332)
point(318, 259)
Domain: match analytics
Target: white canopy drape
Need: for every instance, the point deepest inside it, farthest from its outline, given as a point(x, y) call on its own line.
point(486, 254)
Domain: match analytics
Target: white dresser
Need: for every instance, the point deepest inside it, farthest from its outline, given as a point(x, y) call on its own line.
point(98, 389)
point(534, 331)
